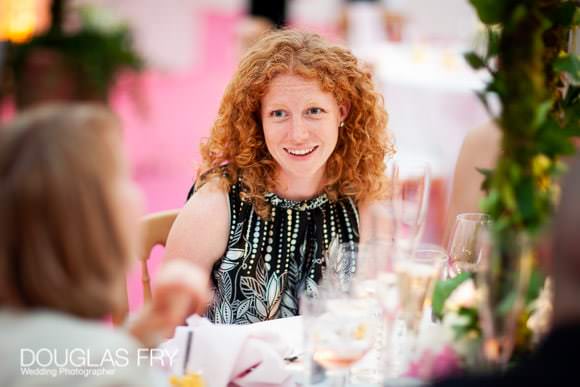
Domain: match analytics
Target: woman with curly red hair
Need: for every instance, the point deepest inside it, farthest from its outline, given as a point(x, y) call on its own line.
point(295, 156)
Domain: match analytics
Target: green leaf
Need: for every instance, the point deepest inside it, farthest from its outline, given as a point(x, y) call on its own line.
point(502, 224)
point(490, 11)
point(471, 325)
point(563, 14)
point(444, 289)
point(507, 303)
point(490, 203)
point(508, 197)
point(541, 113)
point(482, 96)
point(497, 85)
point(553, 140)
point(493, 36)
point(525, 198)
point(569, 64)
point(515, 172)
point(535, 286)
point(572, 96)
point(475, 61)
point(487, 174)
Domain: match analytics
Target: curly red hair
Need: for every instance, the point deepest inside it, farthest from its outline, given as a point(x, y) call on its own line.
point(355, 169)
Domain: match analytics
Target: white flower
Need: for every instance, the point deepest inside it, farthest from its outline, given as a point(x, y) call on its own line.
point(452, 320)
point(463, 296)
point(540, 320)
point(434, 337)
point(466, 346)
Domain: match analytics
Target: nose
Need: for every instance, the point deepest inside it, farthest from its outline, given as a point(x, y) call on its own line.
point(298, 131)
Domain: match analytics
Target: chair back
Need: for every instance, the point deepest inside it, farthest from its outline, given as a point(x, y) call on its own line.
point(154, 231)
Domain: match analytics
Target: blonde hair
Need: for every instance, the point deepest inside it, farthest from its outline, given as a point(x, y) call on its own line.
point(60, 246)
point(356, 167)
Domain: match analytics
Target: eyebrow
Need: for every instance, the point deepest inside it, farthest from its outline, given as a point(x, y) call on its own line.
point(281, 105)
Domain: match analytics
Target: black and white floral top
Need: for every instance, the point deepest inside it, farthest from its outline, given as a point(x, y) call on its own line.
point(267, 263)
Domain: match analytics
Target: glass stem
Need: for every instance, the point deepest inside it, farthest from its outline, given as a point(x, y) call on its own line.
point(388, 350)
point(338, 378)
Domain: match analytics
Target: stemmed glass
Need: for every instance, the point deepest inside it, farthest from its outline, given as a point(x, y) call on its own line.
point(465, 249)
point(416, 276)
point(375, 276)
point(411, 186)
point(373, 259)
point(341, 321)
point(387, 293)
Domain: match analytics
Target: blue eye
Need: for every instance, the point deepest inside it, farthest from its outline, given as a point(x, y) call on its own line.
point(278, 114)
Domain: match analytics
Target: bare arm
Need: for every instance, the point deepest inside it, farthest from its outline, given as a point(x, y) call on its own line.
point(200, 232)
point(480, 149)
point(197, 239)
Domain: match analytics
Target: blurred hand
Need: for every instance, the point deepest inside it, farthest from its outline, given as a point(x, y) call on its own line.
point(181, 289)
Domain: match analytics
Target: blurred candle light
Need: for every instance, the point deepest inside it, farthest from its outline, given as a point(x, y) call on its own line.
point(21, 19)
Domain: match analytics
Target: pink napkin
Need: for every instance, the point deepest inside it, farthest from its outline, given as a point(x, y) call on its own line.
point(229, 355)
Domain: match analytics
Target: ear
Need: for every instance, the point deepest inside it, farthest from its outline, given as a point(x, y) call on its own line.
point(343, 110)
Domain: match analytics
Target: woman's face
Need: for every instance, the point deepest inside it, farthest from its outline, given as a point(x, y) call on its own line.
point(300, 124)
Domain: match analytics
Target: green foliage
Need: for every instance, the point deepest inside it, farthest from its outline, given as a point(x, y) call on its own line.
point(537, 83)
point(493, 35)
point(541, 113)
point(535, 286)
point(563, 14)
point(471, 324)
point(444, 289)
point(97, 52)
point(537, 120)
point(570, 65)
point(490, 11)
point(475, 60)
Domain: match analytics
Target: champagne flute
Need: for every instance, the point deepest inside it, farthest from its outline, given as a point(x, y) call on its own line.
point(341, 264)
point(416, 276)
point(464, 245)
point(387, 293)
point(373, 257)
point(411, 187)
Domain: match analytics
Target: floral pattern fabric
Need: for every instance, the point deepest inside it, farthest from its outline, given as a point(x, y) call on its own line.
point(269, 262)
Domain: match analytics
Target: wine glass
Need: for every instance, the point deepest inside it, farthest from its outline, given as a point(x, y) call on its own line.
point(341, 331)
point(464, 247)
point(411, 186)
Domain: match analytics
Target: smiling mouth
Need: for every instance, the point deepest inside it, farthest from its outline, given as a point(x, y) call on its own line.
point(301, 152)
